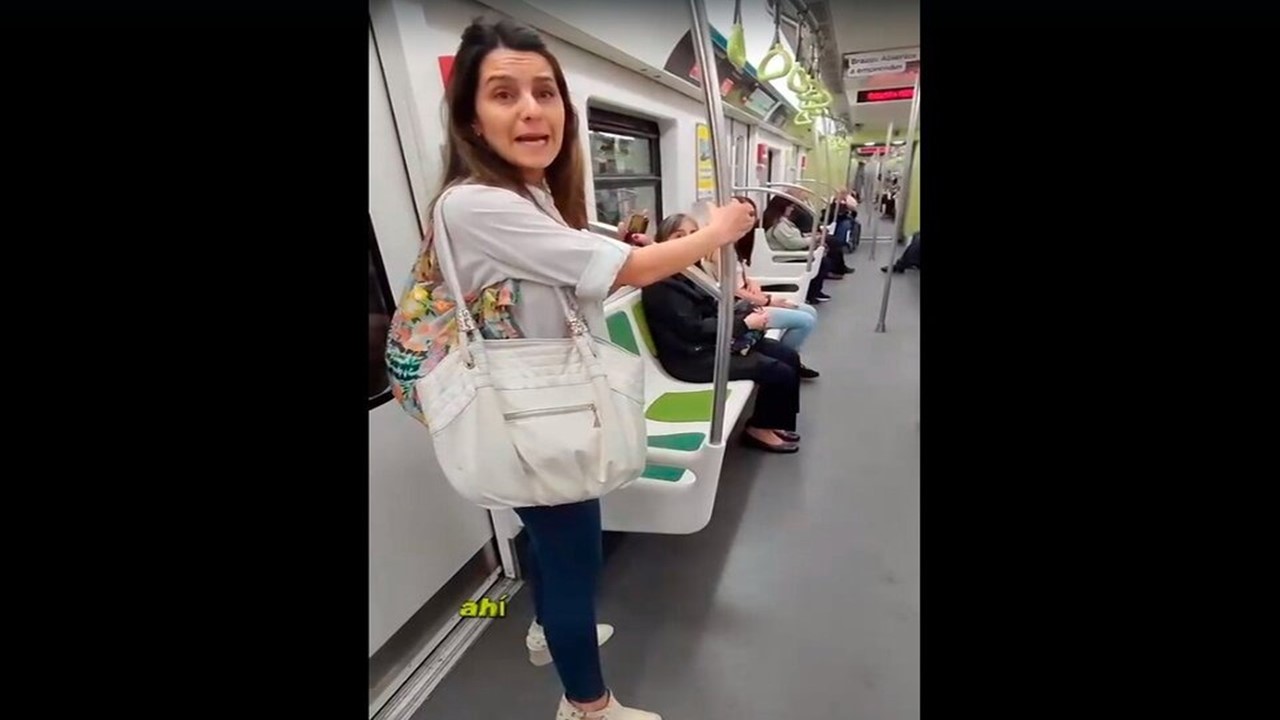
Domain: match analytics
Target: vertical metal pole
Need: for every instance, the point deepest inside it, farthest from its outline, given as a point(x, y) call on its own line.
point(900, 206)
point(819, 217)
point(705, 54)
point(881, 162)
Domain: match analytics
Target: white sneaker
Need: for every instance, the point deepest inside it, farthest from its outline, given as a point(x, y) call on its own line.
point(613, 711)
point(536, 642)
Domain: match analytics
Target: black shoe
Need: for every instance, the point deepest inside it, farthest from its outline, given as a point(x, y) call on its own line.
point(808, 373)
point(751, 441)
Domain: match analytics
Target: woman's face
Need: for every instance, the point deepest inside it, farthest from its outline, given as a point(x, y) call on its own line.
point(519, 110)
point(687, 227)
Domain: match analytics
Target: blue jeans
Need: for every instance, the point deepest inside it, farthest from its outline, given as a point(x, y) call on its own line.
point(563, 566)
point(798, 323)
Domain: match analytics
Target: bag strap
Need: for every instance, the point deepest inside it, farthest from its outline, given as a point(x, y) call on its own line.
point(466, 322)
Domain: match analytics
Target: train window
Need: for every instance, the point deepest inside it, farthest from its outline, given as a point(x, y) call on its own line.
point(381, 305)
point(626, 166)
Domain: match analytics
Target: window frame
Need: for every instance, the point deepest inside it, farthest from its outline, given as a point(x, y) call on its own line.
point(388, 300)
point(616, 123)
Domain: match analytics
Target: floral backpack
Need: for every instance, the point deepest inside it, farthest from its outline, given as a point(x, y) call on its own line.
point(424, 329)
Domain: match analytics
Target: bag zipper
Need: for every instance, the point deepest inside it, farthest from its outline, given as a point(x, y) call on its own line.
point(554, 411)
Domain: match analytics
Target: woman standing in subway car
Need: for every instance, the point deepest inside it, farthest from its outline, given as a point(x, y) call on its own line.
point(516, 219)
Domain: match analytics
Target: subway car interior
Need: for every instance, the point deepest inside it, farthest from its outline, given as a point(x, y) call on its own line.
point(740, 583)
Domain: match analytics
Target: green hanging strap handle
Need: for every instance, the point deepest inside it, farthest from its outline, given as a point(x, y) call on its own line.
point(816, 97)
point(737, 46)
point(799, 80)
point(779, 50)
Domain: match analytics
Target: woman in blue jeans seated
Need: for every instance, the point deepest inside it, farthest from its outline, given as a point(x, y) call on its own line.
point(796, 321)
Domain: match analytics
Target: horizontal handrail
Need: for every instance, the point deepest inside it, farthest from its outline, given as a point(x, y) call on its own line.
point(600, 228)
point(830, 188)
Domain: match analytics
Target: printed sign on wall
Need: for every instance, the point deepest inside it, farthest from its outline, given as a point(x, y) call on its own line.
point(706, 165)
point(880, 62)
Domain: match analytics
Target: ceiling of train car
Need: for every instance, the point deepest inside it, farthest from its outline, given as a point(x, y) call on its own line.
point(871, 25)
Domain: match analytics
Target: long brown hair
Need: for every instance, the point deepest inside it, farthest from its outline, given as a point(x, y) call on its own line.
point(778, 208)
point(470, 157)
point(747, 243)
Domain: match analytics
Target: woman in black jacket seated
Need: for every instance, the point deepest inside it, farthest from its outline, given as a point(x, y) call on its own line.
point(682, 321)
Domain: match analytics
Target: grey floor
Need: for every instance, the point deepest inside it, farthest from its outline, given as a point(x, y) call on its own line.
point(801, 599)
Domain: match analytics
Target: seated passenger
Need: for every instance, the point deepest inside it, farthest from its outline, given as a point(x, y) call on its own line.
point(788, 235)
point(855, 235)
point(683, 318)
point(780, 229)
point(781, 233)
point(797, 321)
point(800, 215)
point(910, 257)
point(844, 210)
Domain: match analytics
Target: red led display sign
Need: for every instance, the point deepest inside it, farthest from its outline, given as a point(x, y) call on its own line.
point(886, 95)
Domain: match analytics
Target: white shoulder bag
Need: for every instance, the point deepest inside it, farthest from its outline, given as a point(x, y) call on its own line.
point(525, 422)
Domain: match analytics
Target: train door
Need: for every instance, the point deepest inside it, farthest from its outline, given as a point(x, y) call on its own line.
point(421, 533)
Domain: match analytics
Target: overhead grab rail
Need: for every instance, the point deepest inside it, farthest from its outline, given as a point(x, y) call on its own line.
point(705, 56)
point(800, 8)
point(802, 78)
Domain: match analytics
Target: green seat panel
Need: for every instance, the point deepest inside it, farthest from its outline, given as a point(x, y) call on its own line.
point(677, 407)
point(684, 442)
point(665, 473)
point(642, 323)
point(620, 332)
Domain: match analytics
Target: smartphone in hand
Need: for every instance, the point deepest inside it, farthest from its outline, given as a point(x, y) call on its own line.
point(637, 225)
